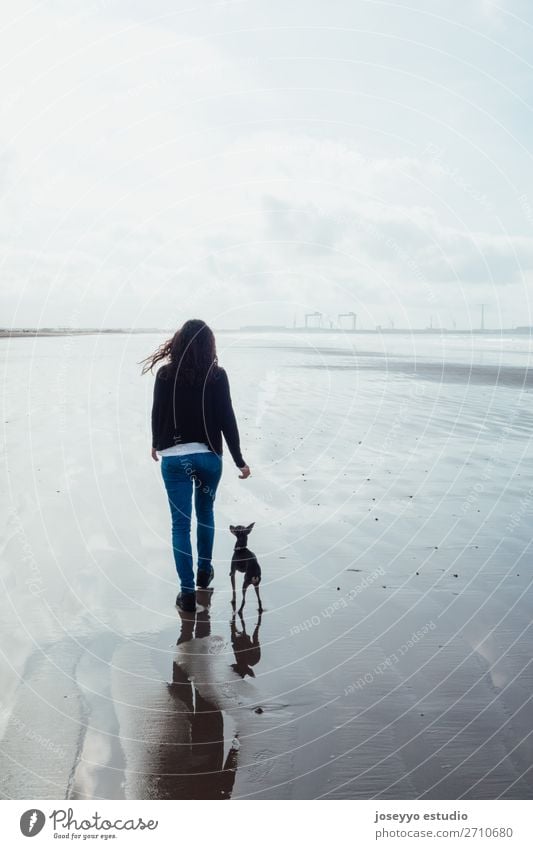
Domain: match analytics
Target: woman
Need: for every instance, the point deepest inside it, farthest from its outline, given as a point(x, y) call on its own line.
point(191, 410)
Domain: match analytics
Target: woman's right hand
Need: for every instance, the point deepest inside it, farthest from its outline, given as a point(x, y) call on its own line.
point(245, 472)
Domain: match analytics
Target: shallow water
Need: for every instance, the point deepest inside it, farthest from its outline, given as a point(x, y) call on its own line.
point(391, 493)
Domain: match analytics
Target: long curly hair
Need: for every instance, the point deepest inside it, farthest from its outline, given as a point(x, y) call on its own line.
point(191, 354)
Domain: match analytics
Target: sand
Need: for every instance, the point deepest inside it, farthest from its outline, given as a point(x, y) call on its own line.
point(391, 492)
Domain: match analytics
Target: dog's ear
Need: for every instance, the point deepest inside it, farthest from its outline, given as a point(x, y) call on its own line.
point(249, 528)
point(232, 528)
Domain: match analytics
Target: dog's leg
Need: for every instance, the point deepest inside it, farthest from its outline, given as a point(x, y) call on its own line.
point(233, 597)
point(260, 608)
point(244, 588)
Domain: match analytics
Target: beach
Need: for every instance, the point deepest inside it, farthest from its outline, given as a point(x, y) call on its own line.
point(392, 494)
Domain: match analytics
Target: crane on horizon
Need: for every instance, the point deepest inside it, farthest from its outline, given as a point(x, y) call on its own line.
point(352, 315)
point(315, 314)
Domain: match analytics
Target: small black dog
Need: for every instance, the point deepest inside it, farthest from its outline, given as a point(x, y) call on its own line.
point(244, 560)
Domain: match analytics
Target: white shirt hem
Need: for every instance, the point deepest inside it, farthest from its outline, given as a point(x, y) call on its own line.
point(184, 448)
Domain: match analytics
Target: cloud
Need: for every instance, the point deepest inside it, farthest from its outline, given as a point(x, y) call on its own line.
point(159, 160)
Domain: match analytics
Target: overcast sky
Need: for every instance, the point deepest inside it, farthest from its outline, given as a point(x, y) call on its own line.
point(248, 162)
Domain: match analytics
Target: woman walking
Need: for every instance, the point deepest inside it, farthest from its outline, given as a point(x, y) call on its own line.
point(191, 411)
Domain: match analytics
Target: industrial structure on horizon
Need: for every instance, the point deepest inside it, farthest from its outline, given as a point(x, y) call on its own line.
point(347, 322)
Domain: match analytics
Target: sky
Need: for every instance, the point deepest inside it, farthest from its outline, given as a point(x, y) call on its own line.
point(250, 162)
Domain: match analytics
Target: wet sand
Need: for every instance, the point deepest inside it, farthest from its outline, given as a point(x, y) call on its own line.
point(392, 503)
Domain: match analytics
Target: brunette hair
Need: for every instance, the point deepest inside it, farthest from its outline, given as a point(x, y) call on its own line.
point(191, 354)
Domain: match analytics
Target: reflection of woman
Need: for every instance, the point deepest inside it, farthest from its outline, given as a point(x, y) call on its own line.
point(194, 766)
point(191, 410)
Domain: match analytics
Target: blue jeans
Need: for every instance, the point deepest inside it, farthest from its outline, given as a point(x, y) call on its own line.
point(181, 474)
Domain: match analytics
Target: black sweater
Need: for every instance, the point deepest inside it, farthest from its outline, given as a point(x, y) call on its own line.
point(194, 414)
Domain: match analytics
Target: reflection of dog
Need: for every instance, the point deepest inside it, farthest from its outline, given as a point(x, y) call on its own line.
point(244, 560)
point(247, 649)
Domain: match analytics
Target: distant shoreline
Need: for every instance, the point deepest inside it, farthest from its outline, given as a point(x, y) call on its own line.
point(30, 333)
point(23, 333)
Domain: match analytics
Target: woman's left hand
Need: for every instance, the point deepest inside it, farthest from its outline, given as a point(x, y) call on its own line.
point(154, 455)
